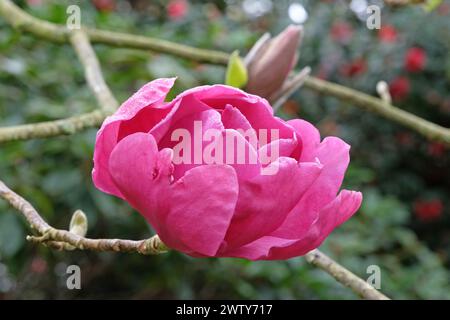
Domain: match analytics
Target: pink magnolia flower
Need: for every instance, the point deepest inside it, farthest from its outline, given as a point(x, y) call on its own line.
point(223, 210)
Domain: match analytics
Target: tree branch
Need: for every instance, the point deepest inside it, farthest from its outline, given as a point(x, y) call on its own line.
point(344, 276)
point(47, 129)
point(59, 33)
point(59, 239)
point(93, 72)
point(375, 105)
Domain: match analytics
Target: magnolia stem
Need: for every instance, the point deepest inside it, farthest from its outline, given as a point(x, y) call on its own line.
point(344, 276)
point(93, 72)
point(375, 105)
point(60, 33)
point(47, 129)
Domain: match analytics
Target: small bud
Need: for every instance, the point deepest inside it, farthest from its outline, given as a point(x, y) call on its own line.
point(236, 75)
point(271, 66)
point(383, 92)
point(79, 223)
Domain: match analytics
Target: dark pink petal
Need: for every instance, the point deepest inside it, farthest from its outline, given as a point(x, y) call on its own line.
point(238, 153)
point(202, 204)
point(284, 148)
point(276, 248)
point(256, 110)
point(232, 118)
point(265, 201)
point(333, 154)
point(153, 95)
point(335, 214)
point(182, 107)
point(190, 215)
point(203, 120)
point(310, 137)
point(143, 175)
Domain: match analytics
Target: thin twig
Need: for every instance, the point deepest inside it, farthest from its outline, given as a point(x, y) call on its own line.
point(428, 129)
point(344, 276)
point(93, 72)
point(54, 128)
point(59, 239)
point(59, 33)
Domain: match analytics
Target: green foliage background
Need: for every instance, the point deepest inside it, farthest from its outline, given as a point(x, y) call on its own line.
point(44, 81)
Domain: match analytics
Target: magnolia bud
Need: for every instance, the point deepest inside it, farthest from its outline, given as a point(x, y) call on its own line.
point(270, 66)
point(79, 223)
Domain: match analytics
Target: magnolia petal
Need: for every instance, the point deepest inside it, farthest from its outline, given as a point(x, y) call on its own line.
point(202, 204)
point(276, 248)
point(265, 201)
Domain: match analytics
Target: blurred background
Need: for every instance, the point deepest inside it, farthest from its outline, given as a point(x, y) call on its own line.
point(403, 225)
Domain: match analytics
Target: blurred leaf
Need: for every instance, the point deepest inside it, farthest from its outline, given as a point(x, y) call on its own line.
point(11, 234)
point(430, 5)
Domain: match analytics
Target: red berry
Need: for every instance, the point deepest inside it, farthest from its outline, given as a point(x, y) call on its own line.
point(399, 88)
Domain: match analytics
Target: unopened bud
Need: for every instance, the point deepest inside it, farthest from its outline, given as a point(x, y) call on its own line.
point(271, 65)
point(79, 223)
point(383, 91)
